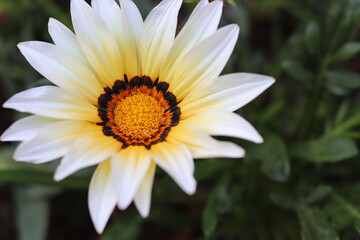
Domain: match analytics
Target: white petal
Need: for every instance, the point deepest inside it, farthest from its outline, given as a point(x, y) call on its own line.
point(65, 39)
point(96, 42)
point(158, 36)
point(142, 198)
point(202, 23)
point(54, 102)
point(109, 12)
point(62, 69)
point(111, 15)
point(85, 152)
point(25, 128)
point(223, 123)
point(126, 26)
point(174, 159)
point(199, 6)
point(132, 17)
point(53, 141)
point(204, 62)
point(102, 197)
point(229, 93)
point(201, 144)
point(133, 28)
point(129, 167)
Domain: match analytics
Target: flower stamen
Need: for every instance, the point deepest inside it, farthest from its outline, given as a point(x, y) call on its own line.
point(139, 116)
point(139, 112)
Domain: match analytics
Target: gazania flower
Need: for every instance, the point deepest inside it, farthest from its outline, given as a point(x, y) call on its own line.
point(130, 96)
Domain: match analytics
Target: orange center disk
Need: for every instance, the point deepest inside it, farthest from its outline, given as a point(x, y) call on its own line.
point(139, 112)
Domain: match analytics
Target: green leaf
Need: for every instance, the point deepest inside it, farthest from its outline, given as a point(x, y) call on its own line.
point(210, 215)
point(273, 156)
point(224, 202)
point(343, 127)
point(344, 207)
point(312, 38)
point(341, 20)
point(124, 228)
point(271, 112)
point(318, 194)
point(343, 79)
point(297, 71)
point(348, 207)
point(336, 90)
point(282, 200)
point(314, 225)
point(325, 149)
point(218, 201)
point(206, 168)
point(341, 113)
point(299, 10)
point(346, 52)
point(232, 3)
point(32, 211)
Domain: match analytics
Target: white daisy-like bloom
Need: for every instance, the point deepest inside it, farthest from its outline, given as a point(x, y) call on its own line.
point(129, 95)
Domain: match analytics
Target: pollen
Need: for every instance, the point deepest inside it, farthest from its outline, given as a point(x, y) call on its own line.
point(139, 116)
point(138, 112)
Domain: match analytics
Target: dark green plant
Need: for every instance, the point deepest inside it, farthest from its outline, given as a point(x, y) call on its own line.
point(301, 183)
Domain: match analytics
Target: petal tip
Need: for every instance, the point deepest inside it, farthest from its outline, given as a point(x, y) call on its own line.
point(218, 3)
point(191, 191)
point(51, 20)
point(23, 158)
point(99, 230)
point(259, 140)
point(20, 45)
point(8, 103)
point(122, 205)
point(52, 23)
point(5, 137)
point(256, 138)
point(20, 154)
point(271, 81)
point(60, 174)
point(238, 152)
point(24, 47)
point(76, 5)
point(99, 225)
point(144, 213)
point(234, 27)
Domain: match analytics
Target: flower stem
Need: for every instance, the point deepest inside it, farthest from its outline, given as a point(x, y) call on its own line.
point(309, 112)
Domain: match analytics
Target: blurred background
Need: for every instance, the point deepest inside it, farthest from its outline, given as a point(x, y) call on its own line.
point(301, 183)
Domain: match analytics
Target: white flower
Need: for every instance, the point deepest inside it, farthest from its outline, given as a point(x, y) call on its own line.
point(130, 95)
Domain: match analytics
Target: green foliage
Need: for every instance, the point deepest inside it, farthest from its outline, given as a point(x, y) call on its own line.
point(346, 52)
point(325, 149)
point(318, 194)
point(341, 82)
point(315, 225)
point(343, 208)
point(313, 38)
point(297, 71)
point(273, 156)
point(126, 227)
point(303, 182)
point(32, 211)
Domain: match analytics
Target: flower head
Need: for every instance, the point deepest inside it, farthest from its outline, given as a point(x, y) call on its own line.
point(130, 96)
